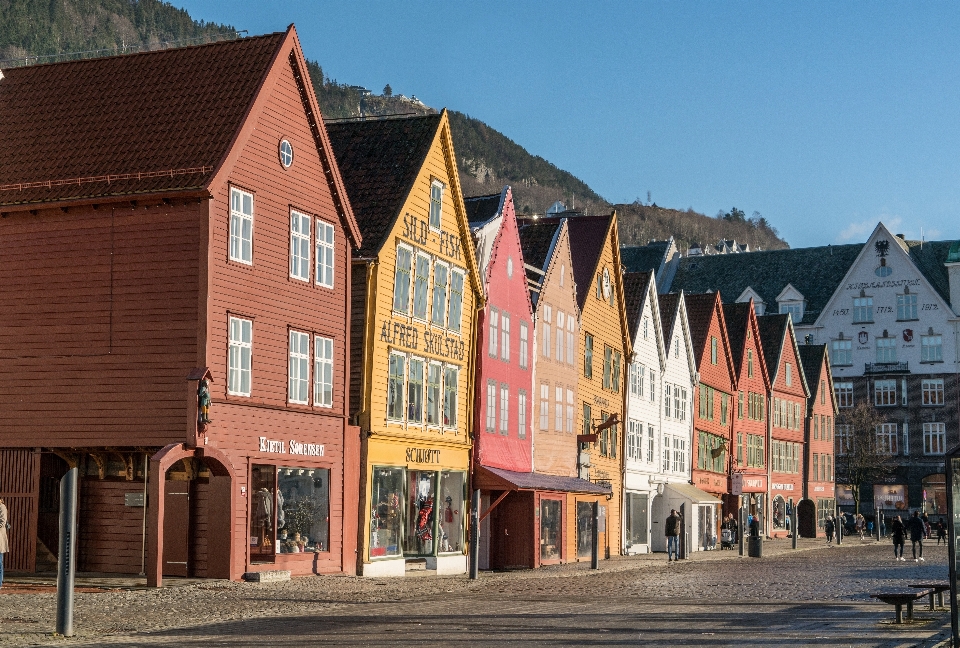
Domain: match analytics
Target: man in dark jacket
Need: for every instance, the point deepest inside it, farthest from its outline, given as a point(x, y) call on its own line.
point(917, 533)
point(672, 531)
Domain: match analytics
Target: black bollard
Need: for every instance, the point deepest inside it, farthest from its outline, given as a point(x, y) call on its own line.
point(66, 565)
point(475, 536)
point(595, 553)
point(794, 518)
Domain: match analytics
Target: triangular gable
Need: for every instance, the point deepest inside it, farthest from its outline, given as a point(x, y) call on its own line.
point(681, 318)
point(496, 229)
point(748, 294)
point(290, 53)
point(789, 293)
point(708, 305)
point(648, 298)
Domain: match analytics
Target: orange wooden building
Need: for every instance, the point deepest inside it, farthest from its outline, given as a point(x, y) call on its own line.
point(174, 282)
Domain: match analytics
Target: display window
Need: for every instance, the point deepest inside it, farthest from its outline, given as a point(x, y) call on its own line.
point(637, 505)
point(550, 529)
point(584, 529)
point(421, 505)
point(779, 513)
point(386, 515)
point(290, 511)
point(452, 492)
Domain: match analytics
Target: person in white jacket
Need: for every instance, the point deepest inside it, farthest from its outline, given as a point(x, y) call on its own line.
point(4, 542)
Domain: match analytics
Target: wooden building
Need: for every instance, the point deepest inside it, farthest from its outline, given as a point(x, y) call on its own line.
point(174, 280)
point(821, 413)
point(415, 301)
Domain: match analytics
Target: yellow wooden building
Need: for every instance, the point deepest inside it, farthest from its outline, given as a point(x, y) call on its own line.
point(415, 299)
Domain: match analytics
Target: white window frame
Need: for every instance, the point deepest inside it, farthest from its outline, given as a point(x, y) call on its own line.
point(493, 330)
point(843, 436)
point(907, 307)
point(934, 438)
point(886, 350)
point(521, 413)
point(298, 369)
point(930, 352)
point(402, 359)
point(397, 272)
point(322, 371)
point(651, 442)
point(455, 299)
point(571, 336)
point(436, 205)
point(841, 352)
point(241, 243)
point(887, 439)
point(451, 421)
point(326, 254)
point(544, 406)
point(437, 413)
point(300, 243)
point(570, 407)
point(408, 404)
point(844, 393)
point(931, 390)
point(862, 310)
point(558, 408)
point(560, 343)
point(504, 409)
point(240, 356)
point(524, 344)
point(421, 286)
point(547, 321)
point(491, 405)
point(442, 307)
point(505, 336)
point(794, 309)
point(885, 393)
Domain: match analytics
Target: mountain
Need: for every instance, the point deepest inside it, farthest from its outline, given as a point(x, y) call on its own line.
point(488, 159)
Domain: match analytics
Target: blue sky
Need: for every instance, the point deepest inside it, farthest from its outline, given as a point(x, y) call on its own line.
point(824, 117)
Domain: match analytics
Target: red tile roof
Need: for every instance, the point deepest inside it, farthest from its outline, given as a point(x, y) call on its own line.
point(166, 118)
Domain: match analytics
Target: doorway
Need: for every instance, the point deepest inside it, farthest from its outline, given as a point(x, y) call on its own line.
point(176, 527)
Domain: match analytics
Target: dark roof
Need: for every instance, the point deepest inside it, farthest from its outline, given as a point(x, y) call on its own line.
point(538, 481)
point(379, 160)
point(772, 338)
point(536, 241)
point(167, 111)
point(587, 236)
point(641, 258)
point(738, 319)
point(930, 257)
point(668, 312)
point(815, 272)
point(699, 312)
point(812, 357)
point(635, 293)
point(480, 209)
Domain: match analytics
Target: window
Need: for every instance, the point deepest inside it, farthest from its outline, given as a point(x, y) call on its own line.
point(885, 392)
point(570, 410)
point(558, 409)
point(724, 408)
point(286, 154)
point(436, 203)
point(934, 438)
point(504, 409)
point(740, 405)
point(493, 332)
point(438, 310)
point(299, 246)
point(560, 345)
point(421, 287)
point(491, 405)
point(547, 319)
point(415, 392)
point(679, 455)
point(650, 434)
point(886, 350)
point(401, 279)
point(706, 402)
point(823, 392)
point(434, 373)
point(653, 386)
point(299, 368)
point(862, 309)
point(450, 378)
point(750, 363)
point(395, 386)
point(456, 300)
point(755, 455)
point(607, 367)
point(713, 350)
point(816, 467)
point(680, 402)
point(544, 407)
point(665, 467)
point(322, 371)
point(931, 348)
point(789, 375)
point(841, 352)
point(614, 443)
point(646, 327)
point(505, 337)
point(324, 254)
point(524, 344)
point(241, 226)
point(844, 392)
point(571, 343)
point(615, 385)
point(932, 391)
point(887, 438)
point(522, 413)
point(587, 419)
point(711, 452)
point(587, 355)
point(634, 440)
point(635, 388)
point(739, 448)
point(844, 438)
point(816, 427)
point(240, 359)
point(667, 390)
point(795, 310)
point(906, 307)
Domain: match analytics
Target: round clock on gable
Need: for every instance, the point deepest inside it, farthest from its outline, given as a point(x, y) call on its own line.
point(606, 284)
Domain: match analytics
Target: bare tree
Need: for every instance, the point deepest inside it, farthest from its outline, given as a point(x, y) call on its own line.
point(863, 455)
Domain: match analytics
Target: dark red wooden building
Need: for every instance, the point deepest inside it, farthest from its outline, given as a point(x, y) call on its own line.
point(170, 218)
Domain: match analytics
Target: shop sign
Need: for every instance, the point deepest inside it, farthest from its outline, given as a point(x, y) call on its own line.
point(292, 446)
point(423, 455)
point(844, 495)
point(785, 487)
point(818, 489)
point(135, 499)
point(890, 496)
point(754, 484)
point(410, 337)
point(418, 231)
point(736, 484)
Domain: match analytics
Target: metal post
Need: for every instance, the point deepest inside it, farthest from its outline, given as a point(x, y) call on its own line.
point(66, 565)
point(794, 519)
point(475, 536)
point(953, 467)
point(595, 552)
point(741, 531)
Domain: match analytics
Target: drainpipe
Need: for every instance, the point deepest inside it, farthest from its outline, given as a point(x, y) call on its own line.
point(768, 452)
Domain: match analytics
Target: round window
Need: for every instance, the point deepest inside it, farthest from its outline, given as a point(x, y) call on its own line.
point(286, 154)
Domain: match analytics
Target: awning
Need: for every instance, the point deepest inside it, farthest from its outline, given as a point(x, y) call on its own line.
point(499, 479)
point(692, 493)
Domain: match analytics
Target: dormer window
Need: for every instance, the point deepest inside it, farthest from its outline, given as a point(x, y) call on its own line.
point(791, 303)
point(793, 309)
point(759, 306)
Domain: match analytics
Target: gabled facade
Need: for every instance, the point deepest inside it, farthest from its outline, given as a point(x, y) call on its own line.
point(750, 427)
point(786, 421)
point(820, 452)
point(215, 259)
point(414, 308)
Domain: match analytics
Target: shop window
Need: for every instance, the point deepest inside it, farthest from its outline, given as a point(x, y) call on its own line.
point(421, 287)
point(303, 507)
point(419, 527)
point(779, 512)
point(935, 494)
point(386, 516)
point(584, 529)
point(636, 519)
point(263, 519)
point(550, 530)
point(452, 493)
point(433, 393)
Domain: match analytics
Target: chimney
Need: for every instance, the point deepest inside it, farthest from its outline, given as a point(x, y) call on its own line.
point(953, 273)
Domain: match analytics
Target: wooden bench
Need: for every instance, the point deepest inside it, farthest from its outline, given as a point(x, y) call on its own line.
point(938, 587)
point(900, 596)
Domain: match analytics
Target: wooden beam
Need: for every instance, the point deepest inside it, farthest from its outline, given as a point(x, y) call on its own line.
point(493, 506)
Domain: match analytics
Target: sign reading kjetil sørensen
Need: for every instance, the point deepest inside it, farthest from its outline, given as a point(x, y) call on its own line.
point(292, 446)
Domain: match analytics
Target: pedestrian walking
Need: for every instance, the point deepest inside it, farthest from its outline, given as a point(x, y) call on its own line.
point(672, 531)
point(941, 532)
point(926, 524)
point(917, 533)
point(4, 541)
point(898, 533)
point(859, 524)
point(728, 534)
point(828, 528)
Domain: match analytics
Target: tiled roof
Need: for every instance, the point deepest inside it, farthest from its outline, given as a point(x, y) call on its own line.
point(930, 257)
point(146, 113)
point(641, 258)
point(815, 272)
point(536, 241)
point(738, 319)
point(480, 209)
point(699, 313)
point(635, 286)
point(379, 160)
point(668, 312)
point(812, 357)
point(773, 330)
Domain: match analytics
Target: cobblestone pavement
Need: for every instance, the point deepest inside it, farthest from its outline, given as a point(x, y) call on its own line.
point(818, 596)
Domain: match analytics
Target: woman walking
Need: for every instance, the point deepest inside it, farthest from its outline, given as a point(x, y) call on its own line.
point(899, 534)
point(941, 532)
point(4, 544)
point(828, 528)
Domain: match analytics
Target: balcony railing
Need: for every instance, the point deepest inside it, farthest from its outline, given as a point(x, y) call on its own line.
point(886, 367)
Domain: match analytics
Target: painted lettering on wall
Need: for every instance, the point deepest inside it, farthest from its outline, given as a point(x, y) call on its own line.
point(409, 337)
point(423, 455)
point(292, 446)
point(776, 486)
point(418, 231)
point(600, 400)
point(445, 346)
point(888, 283)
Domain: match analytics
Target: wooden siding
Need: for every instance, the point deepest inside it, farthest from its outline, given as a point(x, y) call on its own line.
point(110, 534)
point(19, 488)
point(757, 384)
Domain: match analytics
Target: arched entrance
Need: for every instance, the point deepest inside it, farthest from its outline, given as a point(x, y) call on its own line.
point(807, 519)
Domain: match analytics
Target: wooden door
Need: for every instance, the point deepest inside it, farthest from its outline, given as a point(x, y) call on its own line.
point(176, 527)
